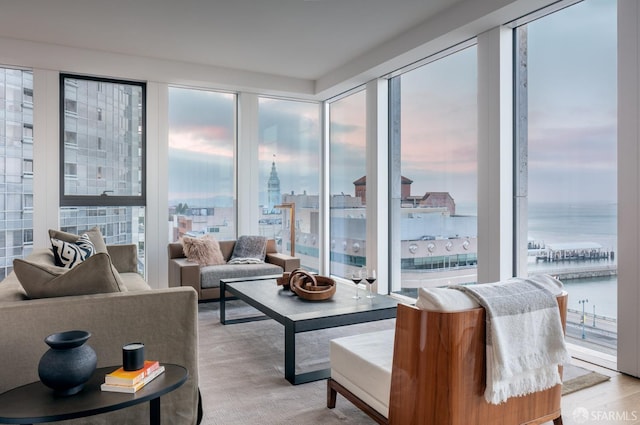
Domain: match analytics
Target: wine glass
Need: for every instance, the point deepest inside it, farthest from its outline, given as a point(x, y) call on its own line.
point(356, 277)
point(370, 278)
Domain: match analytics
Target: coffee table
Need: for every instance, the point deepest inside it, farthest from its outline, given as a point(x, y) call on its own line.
point(36, 403)
point(298, 315)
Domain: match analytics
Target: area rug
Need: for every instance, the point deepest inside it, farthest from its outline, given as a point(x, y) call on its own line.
point(576, 378)
point(241, 372)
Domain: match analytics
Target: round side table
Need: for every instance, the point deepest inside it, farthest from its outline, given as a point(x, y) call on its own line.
point(35, 403)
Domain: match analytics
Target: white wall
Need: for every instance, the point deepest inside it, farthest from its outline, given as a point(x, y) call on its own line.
point(628, 187)
point(22, 53)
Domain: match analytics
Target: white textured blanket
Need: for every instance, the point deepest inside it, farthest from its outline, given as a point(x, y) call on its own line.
point(525, 341)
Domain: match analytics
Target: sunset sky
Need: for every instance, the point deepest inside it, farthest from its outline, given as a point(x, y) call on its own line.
point(572, 123)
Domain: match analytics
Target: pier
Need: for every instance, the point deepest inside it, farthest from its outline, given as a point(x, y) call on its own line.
point(572, 260)
point(573, 251)
point(588, 271)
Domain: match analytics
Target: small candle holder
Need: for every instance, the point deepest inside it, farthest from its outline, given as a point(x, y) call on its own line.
point(133, 356)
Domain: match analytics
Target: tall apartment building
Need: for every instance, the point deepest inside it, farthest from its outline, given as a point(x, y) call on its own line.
point(16, 161)
point(103, 150)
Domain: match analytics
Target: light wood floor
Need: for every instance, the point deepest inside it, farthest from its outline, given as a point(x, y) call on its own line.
point(616, 401)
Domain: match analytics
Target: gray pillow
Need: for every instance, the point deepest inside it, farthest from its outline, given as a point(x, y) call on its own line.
point(249, 249)
point(93, 276)
point(94, 235)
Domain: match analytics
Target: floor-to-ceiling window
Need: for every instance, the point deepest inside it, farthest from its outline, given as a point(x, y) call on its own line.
point(289, 177)
point(566, 134)
point(202, 134)
point(347, 184)
point(16, 166)
point(102, 137)
point(434, 152)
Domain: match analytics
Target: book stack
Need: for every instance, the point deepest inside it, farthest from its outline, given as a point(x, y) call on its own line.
point(122, 381)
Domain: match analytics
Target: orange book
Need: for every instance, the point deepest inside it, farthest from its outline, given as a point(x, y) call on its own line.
point(132, 388)
point(123, 377)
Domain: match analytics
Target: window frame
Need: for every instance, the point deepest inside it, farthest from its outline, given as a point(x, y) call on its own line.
point(103, 200)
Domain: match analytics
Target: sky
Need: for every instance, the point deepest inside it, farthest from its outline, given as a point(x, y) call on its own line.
point(572, 124)
point(201, 146)
point(573, 104)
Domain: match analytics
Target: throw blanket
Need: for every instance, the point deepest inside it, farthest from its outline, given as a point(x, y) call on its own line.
point(525, 341)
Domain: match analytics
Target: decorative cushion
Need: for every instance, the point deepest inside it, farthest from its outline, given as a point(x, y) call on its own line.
point(249, 249)
point(68, 254)
point(92, 276)
point(247, 260)
point(210, 275)
point(204, 250)
point(94, 235)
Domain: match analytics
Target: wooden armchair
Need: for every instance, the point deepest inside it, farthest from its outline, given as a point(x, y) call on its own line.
point(438, 375)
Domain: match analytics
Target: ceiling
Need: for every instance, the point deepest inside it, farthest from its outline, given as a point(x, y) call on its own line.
point(304, 39)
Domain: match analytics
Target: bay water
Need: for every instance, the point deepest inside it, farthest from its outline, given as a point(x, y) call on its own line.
point(551, 223)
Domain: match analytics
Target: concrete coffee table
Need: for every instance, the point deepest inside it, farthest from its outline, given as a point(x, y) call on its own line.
point(298, 315)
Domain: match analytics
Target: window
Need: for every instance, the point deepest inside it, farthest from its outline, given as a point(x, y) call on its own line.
point(27, 132)
point(27, 95)
point(28, 201)
point(201, 163)
point(123, 179)
point(27, 167)
point(289, 155)
point(103, 158)
point(70, 171)
point(567, 86)
point(347, 183)
point(16, 167)
point(436, 202)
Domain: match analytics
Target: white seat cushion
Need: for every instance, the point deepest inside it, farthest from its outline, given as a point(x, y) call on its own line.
point(362, 364)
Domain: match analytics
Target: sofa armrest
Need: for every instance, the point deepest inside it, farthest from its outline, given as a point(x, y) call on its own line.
point(287, 262)
point(124, 257)
point(175, 250)
point(165, 320)
point(184, 273)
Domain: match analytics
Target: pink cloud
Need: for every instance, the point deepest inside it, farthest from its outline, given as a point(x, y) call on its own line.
point(206, 140)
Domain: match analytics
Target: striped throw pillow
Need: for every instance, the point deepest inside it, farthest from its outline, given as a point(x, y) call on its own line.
point(68, 254)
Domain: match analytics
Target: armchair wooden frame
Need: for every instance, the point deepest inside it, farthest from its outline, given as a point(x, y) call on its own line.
point(438, 375)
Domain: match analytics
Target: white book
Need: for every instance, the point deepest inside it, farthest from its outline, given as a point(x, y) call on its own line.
point(132, 388)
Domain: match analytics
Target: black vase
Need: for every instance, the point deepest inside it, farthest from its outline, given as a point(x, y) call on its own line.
point(69, 363)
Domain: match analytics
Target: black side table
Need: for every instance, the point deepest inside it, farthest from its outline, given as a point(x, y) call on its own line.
point(35, 403)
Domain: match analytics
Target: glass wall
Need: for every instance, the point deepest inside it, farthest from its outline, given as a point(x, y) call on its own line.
point(102, 136)
point(567, 81)
point(16, 166)
point(289, 158)
point(437, 145)
point(347, 184)
point(201, 163)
